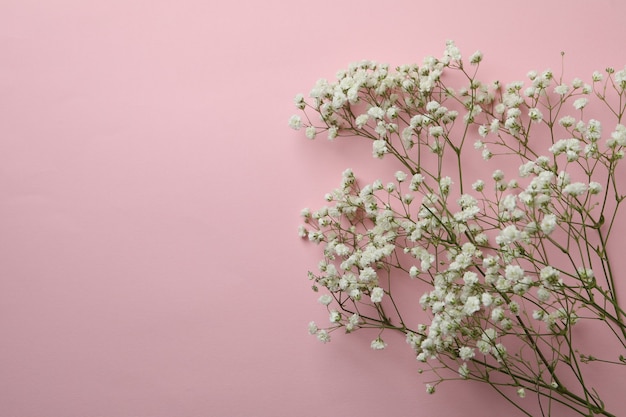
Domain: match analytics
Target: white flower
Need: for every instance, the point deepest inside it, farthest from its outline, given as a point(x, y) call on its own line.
point(379, 148)
point(535, 115)
point(299, 101)
point(335, 316)
point(361, 120)
point(618, 137)
point(595, 187)
point(325, 299)
point(323, 336)
point(444, 184)
point(295, 122)
point(368, 274)
point(310, 132)
point(332, 132)
point(497, 314)
point(580, 103)
point(472, 305)
point(620, 78)
point(567, 121)
point(466, 353)
point(464, 370)
point(548, 223)
point(508, 235)
point(514, 273)
point(377, 295)
point(378, 344)
point(521, 393)
point(575, 189)
point(486, 299)
point(561, 89)
point(543, 294)
point(312, 328)
point(550, 277)
point(400, 176)
point(476, 57)
point(470, 278)
point(478, 185)
point(509, 202)
point(376, 112)
point(353, 322)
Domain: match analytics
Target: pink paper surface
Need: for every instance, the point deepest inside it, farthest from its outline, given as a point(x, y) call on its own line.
point(150, 191)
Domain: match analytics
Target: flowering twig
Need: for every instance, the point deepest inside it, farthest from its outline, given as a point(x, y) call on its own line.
point(506, 271)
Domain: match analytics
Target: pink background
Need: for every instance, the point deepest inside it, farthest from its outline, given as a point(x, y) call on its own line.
point(150, 191)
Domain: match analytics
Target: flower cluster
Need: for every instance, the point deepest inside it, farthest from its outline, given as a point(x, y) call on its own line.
point(503, 267)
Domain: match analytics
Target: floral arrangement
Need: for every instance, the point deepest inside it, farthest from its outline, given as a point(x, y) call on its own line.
point(511, 272)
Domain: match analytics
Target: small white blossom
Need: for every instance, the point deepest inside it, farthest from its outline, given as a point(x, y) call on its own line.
point(323, 336)
point(361, 120)
point(478, 185)
point(379, 148)
point(325, 299)
point(575, 189)
point(580, 103)
point(376, 112)
point(472, 305)
point(535, 115)
point(378, 344)
point(548, 223)
point(295, 122)
point(508, 235)
point(377, 295)
point(476, 57)
point(400, 176)
point(561, 89)
point(310, 132)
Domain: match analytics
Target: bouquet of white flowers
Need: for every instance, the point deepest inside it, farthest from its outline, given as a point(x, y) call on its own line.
point(506, 269)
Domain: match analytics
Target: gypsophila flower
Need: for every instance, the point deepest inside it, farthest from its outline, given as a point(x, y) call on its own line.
point(561, 89)
point(620, 78)
point(323, 336)
point(535, 115)
point(379, 148)
point(509, 234)
point(378, 344)
point(548, 223)
point(325, 299)
point(575, 189)
point(401, 176)
point(376, 112)
point(361, 120)
point(476, 57)
point(478, 185)
point(595, 187)
point(618, 137)
point(377, 295)
point(580, 103)
point(295, 122)
point(310, 132)
point(513, 262)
